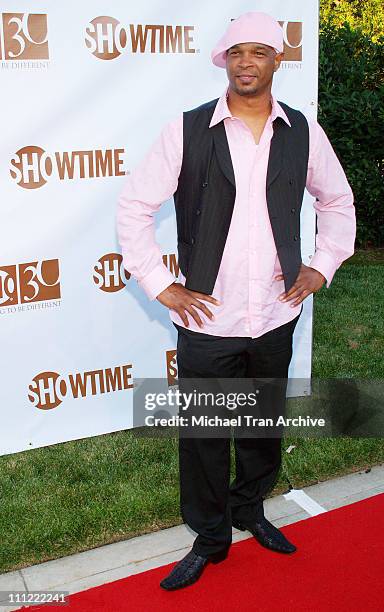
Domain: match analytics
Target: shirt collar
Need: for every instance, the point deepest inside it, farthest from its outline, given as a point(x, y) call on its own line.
point(222, 111)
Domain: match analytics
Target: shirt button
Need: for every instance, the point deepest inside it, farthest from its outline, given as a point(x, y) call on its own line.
point(198, 211)
point(193, 241)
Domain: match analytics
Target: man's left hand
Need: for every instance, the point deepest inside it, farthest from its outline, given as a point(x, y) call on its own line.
point(308, 281)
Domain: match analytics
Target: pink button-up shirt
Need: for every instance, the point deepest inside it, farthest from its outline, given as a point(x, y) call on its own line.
point(245, 285)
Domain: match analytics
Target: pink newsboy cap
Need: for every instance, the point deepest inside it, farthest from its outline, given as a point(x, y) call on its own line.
point(250, 27)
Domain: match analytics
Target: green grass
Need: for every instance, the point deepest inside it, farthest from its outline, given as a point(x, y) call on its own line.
point(348, 339)
point(78, 495)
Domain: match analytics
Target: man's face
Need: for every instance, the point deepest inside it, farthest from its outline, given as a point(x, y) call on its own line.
point(250, 67)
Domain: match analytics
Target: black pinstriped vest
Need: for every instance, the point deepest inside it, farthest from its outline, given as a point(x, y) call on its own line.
point(206, 192)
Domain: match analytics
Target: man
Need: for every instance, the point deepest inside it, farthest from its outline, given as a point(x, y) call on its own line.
point(237, 168)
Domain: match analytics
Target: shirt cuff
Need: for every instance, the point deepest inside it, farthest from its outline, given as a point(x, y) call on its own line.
point(156, 281)
point(325, 264)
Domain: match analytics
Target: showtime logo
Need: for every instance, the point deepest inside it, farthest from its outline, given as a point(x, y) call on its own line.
point(49, 389)
point(110, 275)
point(171, 365)
point(32, 167)
point(106, 38)
point(24, 36)
point(25, 283)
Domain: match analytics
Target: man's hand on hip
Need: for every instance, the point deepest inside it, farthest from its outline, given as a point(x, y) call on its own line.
point(180, 299)
point(308, 281)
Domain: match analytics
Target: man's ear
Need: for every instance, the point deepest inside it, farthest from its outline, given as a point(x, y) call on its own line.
point(278, 59)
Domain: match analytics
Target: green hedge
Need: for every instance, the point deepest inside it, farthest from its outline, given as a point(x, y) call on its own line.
point(351, 107)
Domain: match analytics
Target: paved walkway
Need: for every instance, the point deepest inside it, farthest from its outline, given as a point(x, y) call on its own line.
point(114, 561)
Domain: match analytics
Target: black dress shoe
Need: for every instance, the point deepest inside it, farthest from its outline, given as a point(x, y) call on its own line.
point(188, 570)
point(267, 534)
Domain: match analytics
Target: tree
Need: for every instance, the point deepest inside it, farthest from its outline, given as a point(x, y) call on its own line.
point(351, 103)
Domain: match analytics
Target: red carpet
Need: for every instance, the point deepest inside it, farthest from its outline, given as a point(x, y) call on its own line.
point(338, 567)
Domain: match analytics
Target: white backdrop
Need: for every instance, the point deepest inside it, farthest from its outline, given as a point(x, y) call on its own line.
point(75, 332)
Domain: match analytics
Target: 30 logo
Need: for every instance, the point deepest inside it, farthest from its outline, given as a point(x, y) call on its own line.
point(31, 167)
point(106, 38)
point(293, 40)
point(48, 389)
point(24, 36)
point(29, 282)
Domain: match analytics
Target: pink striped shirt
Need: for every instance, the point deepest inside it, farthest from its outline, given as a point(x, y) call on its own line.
point(245, 286)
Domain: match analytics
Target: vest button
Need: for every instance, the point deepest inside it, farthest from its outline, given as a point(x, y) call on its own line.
point(293, 210)
point(205, 185)
point(198, 211)
point(193, 241)
point(290, 181)
point(295, 238)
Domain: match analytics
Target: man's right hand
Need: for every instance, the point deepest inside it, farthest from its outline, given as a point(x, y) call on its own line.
point(180, 299)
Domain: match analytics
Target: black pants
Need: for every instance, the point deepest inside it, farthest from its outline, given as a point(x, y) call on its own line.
point(208, 502)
